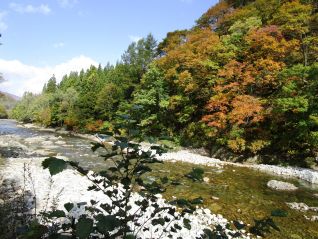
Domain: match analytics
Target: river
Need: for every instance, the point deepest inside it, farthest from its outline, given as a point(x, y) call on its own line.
point(236, 193)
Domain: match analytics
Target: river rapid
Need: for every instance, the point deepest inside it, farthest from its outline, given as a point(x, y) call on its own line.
point(238, 193)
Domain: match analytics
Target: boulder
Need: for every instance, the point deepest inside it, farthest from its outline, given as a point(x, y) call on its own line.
point(281, 186)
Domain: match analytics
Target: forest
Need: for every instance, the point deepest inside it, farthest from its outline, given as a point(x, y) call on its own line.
point(243, 79)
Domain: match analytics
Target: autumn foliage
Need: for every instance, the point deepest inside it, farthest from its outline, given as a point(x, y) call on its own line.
point(234, 68)
point(244, 78)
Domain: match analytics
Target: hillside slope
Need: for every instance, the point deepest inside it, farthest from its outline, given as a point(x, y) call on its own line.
point(7, 103)
point(244, 78)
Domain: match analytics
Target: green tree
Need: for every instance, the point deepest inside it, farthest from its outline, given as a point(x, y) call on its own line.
point(50, 87)
point(153, 100)
point(295, 19)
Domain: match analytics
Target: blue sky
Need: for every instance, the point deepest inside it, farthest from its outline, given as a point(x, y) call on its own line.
point(56, 36)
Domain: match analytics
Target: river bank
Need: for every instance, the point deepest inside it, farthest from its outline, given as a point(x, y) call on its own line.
point(187, 155)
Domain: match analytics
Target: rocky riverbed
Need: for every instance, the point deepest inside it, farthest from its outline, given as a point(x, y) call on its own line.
point(238, 192)
point(188, 156)
point(22, 164)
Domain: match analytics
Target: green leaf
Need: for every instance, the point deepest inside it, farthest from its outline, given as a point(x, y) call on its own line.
point(110, 155)
point(141, 169)
point(106, 223)
point(208, 234)
point(57, 213)
point(198, 200)
point(126, 181)
point(54, 165)
point(96, 146)
point(36, 230)
point(186, 223)
point(64, 237)
point(130, 236)
point(181, 202)
point(68, 206)
point(238, 225)
point(84, 228)
point(157, 221)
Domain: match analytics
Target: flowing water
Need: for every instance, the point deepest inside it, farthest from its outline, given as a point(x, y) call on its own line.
point(236, 193)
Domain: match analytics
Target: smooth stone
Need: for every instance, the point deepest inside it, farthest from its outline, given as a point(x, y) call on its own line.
point(280, 185)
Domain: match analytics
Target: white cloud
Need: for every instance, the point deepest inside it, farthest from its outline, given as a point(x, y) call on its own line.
point(67, 3)
point(3, 25)
point(20, 8)
point(59, 45)
point(21, 77)
point(134, 38)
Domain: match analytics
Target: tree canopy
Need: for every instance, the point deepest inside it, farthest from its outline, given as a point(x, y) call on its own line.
point(243, 78)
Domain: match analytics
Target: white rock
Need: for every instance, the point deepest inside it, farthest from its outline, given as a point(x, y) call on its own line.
point(188, 157)
point(308, 175)
point(298, 206)
point(312, 218)
point(282, 186)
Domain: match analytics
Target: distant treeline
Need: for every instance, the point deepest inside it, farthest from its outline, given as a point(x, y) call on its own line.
point(245, 78)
